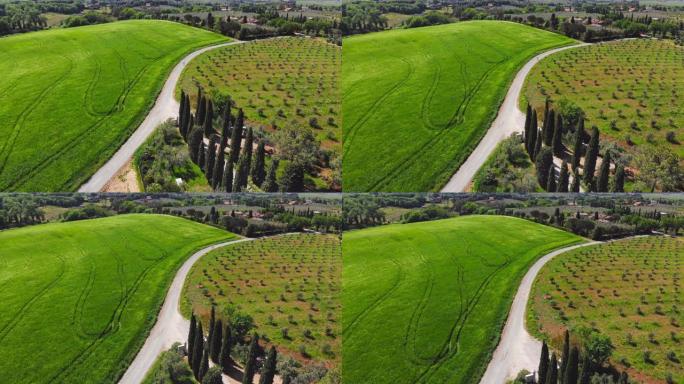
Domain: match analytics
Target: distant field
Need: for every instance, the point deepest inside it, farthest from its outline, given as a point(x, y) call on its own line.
point(430, 298)
point(631, 90)
point(417, 101)
point(70, 97)
point(629, 289)
point(289, 282)
point(76, 305)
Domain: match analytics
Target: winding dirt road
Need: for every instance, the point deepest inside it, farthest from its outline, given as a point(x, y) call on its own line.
point(509, 120)
point(517, 349)
point(171, 326)
point(166, 107)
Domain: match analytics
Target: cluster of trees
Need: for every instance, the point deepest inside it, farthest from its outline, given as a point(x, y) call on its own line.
point(217, 348)
point(579, 367)
point(88, 18)
point(367, 16)
point(21, 17)
point(545, 143)
point(228, 172)
point(429, 18)
point(19, 211)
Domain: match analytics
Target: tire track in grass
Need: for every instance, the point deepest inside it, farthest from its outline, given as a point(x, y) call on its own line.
point(416, 315)
point(6, 151)
point(77, 315)
point(348, 137)
point(5, 330)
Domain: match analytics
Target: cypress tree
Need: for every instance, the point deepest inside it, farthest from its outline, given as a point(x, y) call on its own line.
point(212, 322)
point(249, 143)
point(204, 365)
point(538, 146)
point(592, 155)
point(240, 181)
point(189, 125)
point(271, 184)
point(191, 336)
point(199, 99)
point(236, 137)
point(216, 339)
point(577, 148)
point(258, 171)
point(575, 186)
point(557, 141)
point(250, 365)
point(544, 163)
point(226, 347)
point(211, 159)
point(546, 122)
point(217, 176)
point(571, 373)
point(201, 111)
point(293, 177)
point(624, 378)
point(201, 156)
point(550, 128)
point(585, 378)
point(551, 179)
point(528, 124)
point(208, 125)
point(619, 185)
point(198, 350)
point(226, 119)
point(565, 355)
point(213, 376)
point(563, 178)
point(269, 370)
point(552, 374)
point(196, 138)
point(604, 174)
point(227, 181)
point(532, 143)
point(181, 109)
point(543, 363)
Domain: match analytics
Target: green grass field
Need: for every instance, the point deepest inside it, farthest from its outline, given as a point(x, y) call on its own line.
point(430, 298)
point(631, 90)
point(629, 290)
point(289, 282)
point(417, 101)
point(77, 299)
point(70, 97)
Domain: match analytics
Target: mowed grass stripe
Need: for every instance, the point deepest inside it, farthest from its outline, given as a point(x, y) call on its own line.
point(430, 298)
point(77, 305)
point(417, 101)
point(70, 97)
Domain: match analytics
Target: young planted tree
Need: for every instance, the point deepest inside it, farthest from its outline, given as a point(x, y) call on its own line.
point(543, 363)
point(271, 184)
point(269, 369)
point(544, 163)
point(604, 174)
point(563, 178)
point(236, 137)
point(250, 364)
point(592, 155)
point(226, 348)
point(619, 183)
point(258, 171)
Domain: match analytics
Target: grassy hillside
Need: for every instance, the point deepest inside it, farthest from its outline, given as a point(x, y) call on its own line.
point(628, 290)
point(417, 101)
point(70, 97)
point(288, 284)
point(629, 89)
point(76, 305)
point(430, 298)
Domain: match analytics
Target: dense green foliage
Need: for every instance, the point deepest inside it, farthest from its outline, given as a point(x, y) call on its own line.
point(430, 298)
point(417, 101)
point(71, 97)
point(77, 305)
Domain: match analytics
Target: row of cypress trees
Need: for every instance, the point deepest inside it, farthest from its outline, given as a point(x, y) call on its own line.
point(570, 370)
point(545, 143)
point(218, 346)
point(224, 173)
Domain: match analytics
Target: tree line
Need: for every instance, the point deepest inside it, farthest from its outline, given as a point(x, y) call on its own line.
point(217, 348)
point(545, 143)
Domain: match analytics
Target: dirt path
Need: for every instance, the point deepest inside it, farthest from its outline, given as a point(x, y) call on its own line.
point(171, 326)
point(517, 349)
point(509, 120)
point(166, 107)
point(125, 180)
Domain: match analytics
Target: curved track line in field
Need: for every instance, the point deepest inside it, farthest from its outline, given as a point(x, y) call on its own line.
point(509, 119)
point(517, 349)
point(165, 107)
